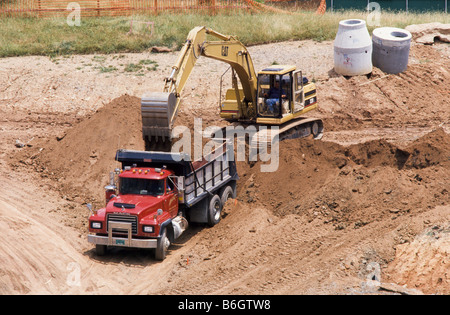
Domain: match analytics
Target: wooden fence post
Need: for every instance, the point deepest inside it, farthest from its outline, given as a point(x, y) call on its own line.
point(213, 7)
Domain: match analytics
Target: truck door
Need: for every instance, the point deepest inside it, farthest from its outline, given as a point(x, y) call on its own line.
point(171, 199)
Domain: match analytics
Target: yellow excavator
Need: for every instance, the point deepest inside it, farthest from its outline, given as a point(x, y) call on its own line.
point(278, 95)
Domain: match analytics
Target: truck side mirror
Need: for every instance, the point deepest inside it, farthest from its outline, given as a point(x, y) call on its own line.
point(110, 190)
point(91, 212)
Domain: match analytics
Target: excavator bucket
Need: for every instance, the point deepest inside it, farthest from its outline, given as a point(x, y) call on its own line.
point(157, 110)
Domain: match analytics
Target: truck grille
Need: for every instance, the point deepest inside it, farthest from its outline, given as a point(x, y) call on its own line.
point(123, 218)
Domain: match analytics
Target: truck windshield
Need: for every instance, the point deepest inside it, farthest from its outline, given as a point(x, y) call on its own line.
point(139, 186)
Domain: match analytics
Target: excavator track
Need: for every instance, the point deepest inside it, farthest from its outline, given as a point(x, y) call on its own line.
point(299, 128)
point(264, 137)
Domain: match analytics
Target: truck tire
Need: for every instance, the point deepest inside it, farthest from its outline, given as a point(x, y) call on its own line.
point(227, 193)
point(100, 250)
point(161, 246)
point(214, 210)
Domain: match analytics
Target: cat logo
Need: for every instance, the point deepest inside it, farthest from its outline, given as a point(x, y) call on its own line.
point(225, 51)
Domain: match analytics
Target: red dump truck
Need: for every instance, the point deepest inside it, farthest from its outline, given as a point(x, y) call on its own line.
point(158, 194)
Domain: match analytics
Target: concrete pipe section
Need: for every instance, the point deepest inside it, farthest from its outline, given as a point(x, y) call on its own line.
point(353, 48)
point(391, 49)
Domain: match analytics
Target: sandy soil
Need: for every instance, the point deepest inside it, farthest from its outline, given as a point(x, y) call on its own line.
point(362, 211)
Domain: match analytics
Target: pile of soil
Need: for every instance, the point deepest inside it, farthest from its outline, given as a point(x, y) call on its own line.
point(428, 253)
point(351, 186)
point(79, 160)
point(431, 149)
point(414, 97)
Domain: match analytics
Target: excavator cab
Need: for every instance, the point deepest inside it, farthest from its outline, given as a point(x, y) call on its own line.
point(274, 95)
point(281, 94)
point(278, 96)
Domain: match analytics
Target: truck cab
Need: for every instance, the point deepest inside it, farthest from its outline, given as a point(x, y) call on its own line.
point(146, 200)
point(151, 184)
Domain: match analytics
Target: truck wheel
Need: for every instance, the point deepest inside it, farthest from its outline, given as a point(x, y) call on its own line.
point(161, 246)
point(227, 193)
point(100, 250)
point(214, 211)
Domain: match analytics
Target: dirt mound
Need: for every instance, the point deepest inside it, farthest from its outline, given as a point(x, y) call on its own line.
point(430, 32)
point(377, 153)
point(416, 96)
point(80, 160)
point(425, 261)
point(431, 149)
point(351, 186)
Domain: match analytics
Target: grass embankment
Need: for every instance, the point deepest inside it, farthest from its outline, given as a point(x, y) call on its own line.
point(53, 36)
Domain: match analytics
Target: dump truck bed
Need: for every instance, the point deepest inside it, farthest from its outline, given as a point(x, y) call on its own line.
point(200, 178)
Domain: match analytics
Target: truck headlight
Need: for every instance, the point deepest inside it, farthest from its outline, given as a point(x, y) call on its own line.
point(96, 225)
point(148, 229)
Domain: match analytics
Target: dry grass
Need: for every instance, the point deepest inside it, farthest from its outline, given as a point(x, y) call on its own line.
point(53, 36)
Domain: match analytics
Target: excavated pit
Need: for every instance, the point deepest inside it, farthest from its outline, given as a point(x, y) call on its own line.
point(379, 178)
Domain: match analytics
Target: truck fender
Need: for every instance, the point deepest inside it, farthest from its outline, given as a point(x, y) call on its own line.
point(174, 228)
point(166, 224)
point(179, 225)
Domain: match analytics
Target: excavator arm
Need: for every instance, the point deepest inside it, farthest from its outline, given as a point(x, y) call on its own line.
point(159, 110)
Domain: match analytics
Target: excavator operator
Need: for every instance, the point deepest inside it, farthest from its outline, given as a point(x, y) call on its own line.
point(274, 95)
